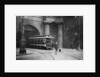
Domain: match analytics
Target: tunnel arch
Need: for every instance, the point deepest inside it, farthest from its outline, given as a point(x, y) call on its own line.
point(30, 30)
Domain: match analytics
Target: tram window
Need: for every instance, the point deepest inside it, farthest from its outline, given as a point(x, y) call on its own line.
point(44, 40)
point(30, 41)
point(33, 41)
point(41, 41)
point(36, 41)
point(48, 40)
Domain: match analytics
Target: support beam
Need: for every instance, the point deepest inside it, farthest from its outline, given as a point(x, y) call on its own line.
point(47, 29)
point(60, 36)
point(23, 40)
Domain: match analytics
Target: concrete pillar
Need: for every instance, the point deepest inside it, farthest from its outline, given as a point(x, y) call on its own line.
point(47, 29)
point(23, 40)
point(60, 36)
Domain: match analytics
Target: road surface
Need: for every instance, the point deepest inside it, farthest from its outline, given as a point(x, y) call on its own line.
point(39, 54)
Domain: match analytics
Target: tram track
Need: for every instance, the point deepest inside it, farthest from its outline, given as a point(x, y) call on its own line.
point(52, 57)
point(49, 56)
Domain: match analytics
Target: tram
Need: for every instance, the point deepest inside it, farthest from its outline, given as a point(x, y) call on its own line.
point(42, 42)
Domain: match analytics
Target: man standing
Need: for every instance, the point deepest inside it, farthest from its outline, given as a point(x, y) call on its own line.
point(56, 48)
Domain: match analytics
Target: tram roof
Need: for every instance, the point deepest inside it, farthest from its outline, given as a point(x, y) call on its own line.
point(41, 37)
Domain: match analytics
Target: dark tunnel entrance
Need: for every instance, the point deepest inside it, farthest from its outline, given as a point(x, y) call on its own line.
point(29, 31)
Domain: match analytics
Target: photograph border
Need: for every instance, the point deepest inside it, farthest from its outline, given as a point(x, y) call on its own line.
point(22, 73)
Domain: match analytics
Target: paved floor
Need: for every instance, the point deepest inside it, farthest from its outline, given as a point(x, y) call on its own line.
point(39, 54)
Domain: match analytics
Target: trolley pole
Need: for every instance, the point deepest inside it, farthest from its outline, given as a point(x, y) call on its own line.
point(23, 40)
